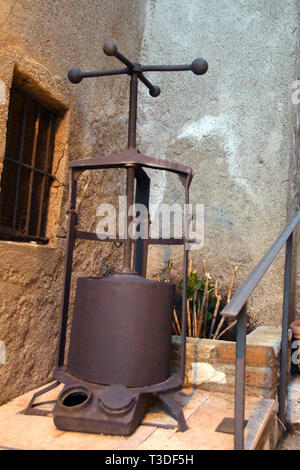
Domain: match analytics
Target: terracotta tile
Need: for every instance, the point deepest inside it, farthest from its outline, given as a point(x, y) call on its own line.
point(20, 403)
point(202, 424)
point(203, 411)
point(28, 432)
point(39, 432)
point(258, 421)
point(188, 399)
point(84, 441)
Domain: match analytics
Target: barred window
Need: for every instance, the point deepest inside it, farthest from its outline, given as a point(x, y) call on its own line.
point(26, 176)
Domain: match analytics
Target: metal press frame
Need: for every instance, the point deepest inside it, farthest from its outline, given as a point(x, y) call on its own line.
point(134, 162)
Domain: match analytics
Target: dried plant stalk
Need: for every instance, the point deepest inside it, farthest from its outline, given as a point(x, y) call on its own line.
point(198, 314)
point(195, 326)
point(214, 317)
point(227, 329)
point(221, 322)
point(228, 300)
point(176, 322)
point(206, 297)
point(216, 288)
point(232, 284)
point(215, 314)
point(190, 267)
point(170, 266)
point(206, 307)
point(188, 311)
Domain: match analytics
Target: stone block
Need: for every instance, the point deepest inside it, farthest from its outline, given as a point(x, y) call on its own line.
point(262, 377)
point(203, 372)
point(197, 349)
point(257, 355)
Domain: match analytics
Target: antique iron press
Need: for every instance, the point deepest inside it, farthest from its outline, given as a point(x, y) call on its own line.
point(121, 330)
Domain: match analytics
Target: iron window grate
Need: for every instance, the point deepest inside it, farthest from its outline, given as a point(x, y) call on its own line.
point(26, 177)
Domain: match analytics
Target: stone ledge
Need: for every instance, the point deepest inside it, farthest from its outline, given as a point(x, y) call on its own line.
point(210, 364)
point(262, 377)
point(256, 355)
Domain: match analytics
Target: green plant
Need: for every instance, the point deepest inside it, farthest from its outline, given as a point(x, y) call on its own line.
point(204, 303)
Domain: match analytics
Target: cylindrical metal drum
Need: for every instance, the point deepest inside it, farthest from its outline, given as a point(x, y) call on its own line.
point(121, 330)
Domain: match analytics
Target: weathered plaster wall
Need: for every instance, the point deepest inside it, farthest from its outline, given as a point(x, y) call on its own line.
point(234, 126)
point(43, 39)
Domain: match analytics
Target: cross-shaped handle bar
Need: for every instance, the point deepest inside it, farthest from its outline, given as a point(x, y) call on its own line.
point(110, 48)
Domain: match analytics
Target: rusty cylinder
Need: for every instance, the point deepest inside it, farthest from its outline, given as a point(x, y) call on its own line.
point(121, 330)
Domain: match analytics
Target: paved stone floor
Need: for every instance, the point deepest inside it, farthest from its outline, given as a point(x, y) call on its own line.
point(203, 411)
point(290, 442)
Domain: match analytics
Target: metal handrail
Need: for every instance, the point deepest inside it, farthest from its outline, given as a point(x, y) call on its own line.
point(237, 308)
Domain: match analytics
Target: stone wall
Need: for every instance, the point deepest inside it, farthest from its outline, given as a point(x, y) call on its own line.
point(39, 42)
point(210, 364)
point(236, 126)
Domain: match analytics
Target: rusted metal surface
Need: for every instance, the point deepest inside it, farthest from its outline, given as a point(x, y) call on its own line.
point(130, 157)
point(20, 158)
point(198, 67)
point(26, 169)
point(120, 339)
point(71, 237)
point(30, 167)
point(33, 158)
point(130, 167)
point(173, 382)
point(284, 355)
point(226, 426)
point(50, 136)
point(33, 407)
point(161, 383)
point(121, 330)
point(142, 195)
point(109, 410)
point(240, 380)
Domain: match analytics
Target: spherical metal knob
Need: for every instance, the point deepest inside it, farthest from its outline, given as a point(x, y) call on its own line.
point(110, 48)
point(75, 75)
point(199, 66)
point(155, 91)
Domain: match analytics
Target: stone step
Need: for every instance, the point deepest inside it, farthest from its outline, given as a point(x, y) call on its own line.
point(262, 418)
point(293, 409)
